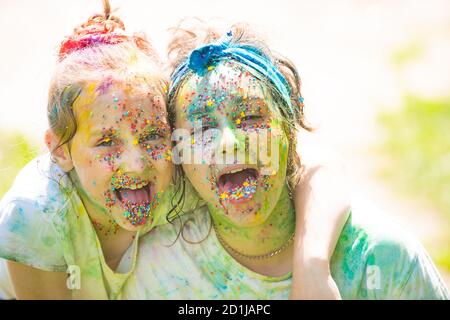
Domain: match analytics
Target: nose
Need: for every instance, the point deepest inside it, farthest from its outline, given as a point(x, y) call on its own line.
point(134, 160)
point(228, 141)
point(227, 148)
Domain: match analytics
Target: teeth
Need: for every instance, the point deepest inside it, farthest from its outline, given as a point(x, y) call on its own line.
point(137, 186)
point(236, 170)
point(134, 187)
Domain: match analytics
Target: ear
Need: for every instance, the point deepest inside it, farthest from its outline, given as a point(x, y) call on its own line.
point(60, 154)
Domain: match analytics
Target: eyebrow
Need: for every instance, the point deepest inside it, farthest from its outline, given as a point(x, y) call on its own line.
point(196, 108)
point(198, 112)
point(240, 101)
point(102, 131)
point(195, 112)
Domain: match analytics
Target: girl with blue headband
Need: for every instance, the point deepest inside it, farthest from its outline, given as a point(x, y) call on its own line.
point(241, 244)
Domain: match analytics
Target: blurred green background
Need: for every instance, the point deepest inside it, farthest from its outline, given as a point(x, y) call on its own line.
point(16, 150)
point(417, 149)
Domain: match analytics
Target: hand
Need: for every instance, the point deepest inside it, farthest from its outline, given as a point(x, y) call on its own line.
point(322, 204)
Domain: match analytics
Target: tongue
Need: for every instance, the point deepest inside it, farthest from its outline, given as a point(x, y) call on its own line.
point(135, 196)
point(234, 180)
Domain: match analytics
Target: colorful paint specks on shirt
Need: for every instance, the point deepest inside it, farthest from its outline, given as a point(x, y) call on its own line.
point(374, 259)
point(44, 224)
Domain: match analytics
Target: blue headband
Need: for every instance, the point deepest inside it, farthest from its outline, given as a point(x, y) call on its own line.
point(206, 56)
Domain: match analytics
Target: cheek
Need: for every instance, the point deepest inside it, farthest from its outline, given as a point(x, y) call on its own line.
point(206, 145)
point(107, 160)
point(161, 152)
point(191, 172)
point(164, 172)
point(198, 175)
point(94, 179)
point(94, 170)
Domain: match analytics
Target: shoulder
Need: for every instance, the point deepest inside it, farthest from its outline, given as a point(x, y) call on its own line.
point(41, 182)
point(41, 187)
point(29, 212)
point(378, 255)
point(380, 234)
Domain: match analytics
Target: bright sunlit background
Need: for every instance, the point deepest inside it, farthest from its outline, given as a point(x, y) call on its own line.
point(376, 80)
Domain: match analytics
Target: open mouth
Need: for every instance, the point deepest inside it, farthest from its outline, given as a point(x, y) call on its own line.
point(137, 202)
point(138, 195)
point(237, 185)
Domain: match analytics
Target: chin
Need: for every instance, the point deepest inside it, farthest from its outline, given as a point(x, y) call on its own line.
point(245, 216)
point(246, 222)
point(126, 224)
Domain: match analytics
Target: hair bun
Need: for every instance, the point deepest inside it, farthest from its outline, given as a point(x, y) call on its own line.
point(98, 29)
point(100, 24)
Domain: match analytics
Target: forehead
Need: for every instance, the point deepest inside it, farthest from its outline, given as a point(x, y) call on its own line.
point(228, 84)
point(115, 101)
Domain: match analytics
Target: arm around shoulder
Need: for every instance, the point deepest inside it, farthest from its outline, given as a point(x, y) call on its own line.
point(30, 283)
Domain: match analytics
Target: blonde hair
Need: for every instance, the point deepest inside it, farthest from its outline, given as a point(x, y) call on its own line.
point(133, 61)
point(193, 32)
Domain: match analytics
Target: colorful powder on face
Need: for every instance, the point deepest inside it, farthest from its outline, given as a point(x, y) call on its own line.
point(245, 126)
point(112, 230)
point(104, 86)
point(266, 183)
point(125, 181)
point(137, 213)
point(157, 152)
point(109, 199)
point(110, 159)
point(244, 191)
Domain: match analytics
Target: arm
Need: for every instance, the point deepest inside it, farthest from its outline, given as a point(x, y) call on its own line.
point(34, 284)
point(322, 205)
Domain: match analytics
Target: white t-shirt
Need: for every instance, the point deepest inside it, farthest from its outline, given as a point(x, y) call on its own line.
point(374, 259)
point(44, 224)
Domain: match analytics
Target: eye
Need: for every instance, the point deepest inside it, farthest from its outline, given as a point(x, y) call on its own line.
point(106, 142)
point(205, 127)
point(151, 137)
point(250, 118)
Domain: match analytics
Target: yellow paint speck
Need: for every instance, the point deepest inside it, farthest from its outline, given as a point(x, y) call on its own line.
point(258, 216)
point(91, 88)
